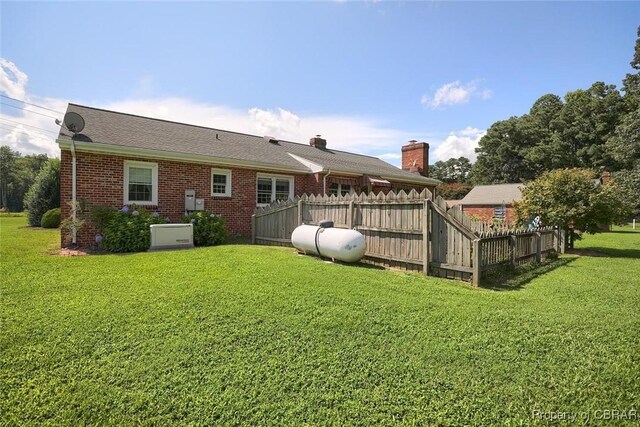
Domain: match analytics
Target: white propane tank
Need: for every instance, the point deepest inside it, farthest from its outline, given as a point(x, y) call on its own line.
point(336, 243)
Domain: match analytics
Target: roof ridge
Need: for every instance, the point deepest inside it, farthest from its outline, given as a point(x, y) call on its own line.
point(210, 128)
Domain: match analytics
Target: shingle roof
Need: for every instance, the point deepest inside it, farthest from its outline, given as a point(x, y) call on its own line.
point(122, 130)
point(493, 194)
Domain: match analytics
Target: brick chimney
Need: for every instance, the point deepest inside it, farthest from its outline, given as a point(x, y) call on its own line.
point(415, 157)
point(605, 177)
point(318, 142)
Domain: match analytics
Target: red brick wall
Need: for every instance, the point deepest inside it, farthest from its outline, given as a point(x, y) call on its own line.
point(417, 153)
point(100, 181)
point(485, 213)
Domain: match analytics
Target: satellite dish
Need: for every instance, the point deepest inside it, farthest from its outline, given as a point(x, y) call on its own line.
point(74, 122)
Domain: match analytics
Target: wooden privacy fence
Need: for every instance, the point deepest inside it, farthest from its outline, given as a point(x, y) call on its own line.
point(413, 231)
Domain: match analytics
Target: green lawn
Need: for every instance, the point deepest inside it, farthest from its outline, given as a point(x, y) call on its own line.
point(252, 335)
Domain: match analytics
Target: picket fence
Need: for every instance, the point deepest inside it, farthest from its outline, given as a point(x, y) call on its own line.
point(411, 231)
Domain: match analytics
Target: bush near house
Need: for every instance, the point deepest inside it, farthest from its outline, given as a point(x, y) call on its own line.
point(51, 218)
point(128, 230)
point(208, 229)
point(44, 193)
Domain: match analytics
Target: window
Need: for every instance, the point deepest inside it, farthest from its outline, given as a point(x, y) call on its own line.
point(341, 189)
point(500, 212)
point(271, 188)
point(221, 182)
point(140, 183)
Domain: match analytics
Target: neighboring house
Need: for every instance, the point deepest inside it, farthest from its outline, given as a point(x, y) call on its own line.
point(492, 202)
point(168, 167)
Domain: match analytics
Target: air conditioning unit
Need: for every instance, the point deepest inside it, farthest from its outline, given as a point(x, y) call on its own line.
point(171, 236)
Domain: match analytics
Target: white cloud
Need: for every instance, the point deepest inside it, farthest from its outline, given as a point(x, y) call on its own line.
point(455, 93)
point(37, 133)
point(458, 144)
point(12, 80)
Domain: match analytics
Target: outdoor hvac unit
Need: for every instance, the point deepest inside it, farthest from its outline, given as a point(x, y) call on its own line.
point(171, 236)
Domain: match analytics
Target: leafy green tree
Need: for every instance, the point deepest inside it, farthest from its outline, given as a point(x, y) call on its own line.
point(501, 153)
point(453, 190)
point(629, 179)
point(631, 83)
point(17, 173)
point(588, 119)
point(573, 200)
point(44, 194)
point(452, 170)
point(7, 174)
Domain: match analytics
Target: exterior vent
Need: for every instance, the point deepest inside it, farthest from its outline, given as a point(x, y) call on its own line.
point(171, 236)
point(270, 139)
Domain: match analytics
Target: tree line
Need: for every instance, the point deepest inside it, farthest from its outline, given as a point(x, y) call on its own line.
point(596, 128)
point(30, 182)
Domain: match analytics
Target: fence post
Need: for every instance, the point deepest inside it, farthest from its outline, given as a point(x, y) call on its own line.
point(350, 218)
point(425, 238)
point(253, 229)
point(538, 247)
point(476, 263)
point(514, 247)
point(300, 212)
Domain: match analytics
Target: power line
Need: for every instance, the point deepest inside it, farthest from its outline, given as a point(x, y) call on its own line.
point(24, 124)
point(8, 128)
point(29, 111)
point(29, 103)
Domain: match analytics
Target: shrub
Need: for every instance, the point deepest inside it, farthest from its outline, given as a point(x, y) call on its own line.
point(73, 223)
point(101, 216)
point(51, 218)
point(208, 229)
point(44, 193)
point(128, 230)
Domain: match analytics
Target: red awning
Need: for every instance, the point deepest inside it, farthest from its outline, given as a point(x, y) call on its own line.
point(378, 181)
point(343, 181)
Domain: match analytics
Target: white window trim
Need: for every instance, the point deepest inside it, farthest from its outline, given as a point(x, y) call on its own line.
point(273, 178)
point(351, 189)
point(226, 172)
point(154, 183)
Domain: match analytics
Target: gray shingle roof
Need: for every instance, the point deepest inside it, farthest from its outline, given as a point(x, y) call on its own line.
point(493, 194)
point(122, 130)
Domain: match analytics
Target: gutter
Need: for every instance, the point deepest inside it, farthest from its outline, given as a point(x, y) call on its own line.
point(73, 193)
point(324, 183)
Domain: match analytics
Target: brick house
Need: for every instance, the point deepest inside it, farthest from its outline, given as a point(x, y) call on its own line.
point(492, 202)
point(122, 159)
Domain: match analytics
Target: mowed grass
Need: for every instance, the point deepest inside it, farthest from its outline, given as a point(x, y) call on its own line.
point(249, 335)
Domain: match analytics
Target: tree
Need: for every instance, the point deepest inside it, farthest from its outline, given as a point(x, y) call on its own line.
point(631, 83)
point(630, 181)
point(587, 121)
point(453, 191)
point(7, 174)
point(17, 173)
point(501, 153)
point(452, 170)
point(573, 200)
point(44, 194)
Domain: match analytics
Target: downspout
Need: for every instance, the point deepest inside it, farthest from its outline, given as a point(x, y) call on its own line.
point(324, 183)
point(73, 192)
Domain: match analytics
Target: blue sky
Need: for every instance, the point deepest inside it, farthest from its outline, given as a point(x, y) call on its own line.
point(368, 76)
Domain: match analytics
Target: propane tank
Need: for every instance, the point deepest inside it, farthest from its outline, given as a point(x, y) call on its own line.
point(324, 240)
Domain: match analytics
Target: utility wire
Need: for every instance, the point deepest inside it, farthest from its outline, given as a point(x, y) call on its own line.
point(28, 111)
point(7, 128)
point(24, 124)
point(28, 103)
